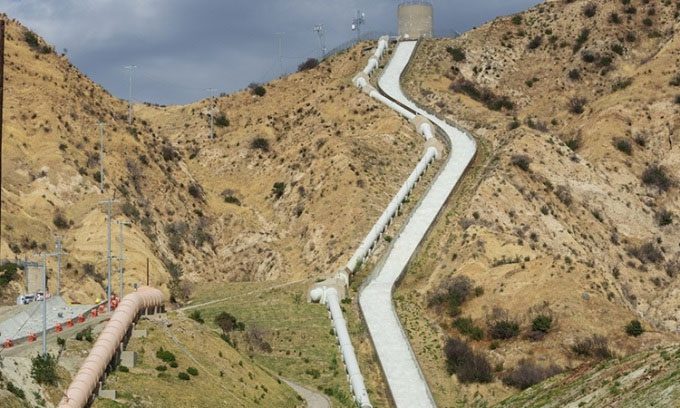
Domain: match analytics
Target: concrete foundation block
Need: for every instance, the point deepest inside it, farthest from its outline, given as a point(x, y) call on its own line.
point(128, 359)
point(139, 333)
point(108, 394)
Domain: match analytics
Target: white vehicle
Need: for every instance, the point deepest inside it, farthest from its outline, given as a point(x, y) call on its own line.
point(39, 296)
point(25, 299)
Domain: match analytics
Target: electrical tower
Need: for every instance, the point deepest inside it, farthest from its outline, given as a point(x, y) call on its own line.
point(121, 255)
point(130, 68)
point(321, 32)
point(211, 111)
point(357, 22)
point(101, 157)
point(109, 204)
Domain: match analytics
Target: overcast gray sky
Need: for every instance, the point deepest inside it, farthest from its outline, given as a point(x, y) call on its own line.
point(183, 47)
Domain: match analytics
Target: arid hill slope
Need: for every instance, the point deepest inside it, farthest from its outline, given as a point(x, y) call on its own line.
point(573, 205)
point(287, 189)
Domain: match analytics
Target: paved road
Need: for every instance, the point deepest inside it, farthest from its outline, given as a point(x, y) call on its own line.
point(405, 380)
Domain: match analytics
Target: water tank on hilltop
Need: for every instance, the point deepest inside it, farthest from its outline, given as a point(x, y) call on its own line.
point(415, 19)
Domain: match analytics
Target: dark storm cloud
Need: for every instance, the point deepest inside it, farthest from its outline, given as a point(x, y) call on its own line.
point(183, 47)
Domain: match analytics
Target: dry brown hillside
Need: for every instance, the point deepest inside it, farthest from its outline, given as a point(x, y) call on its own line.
point(572, 208)
point(287, 189)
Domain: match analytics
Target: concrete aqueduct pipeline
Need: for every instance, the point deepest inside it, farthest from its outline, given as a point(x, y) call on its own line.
point(109, 344)
point(406, 382)
point(328, 292)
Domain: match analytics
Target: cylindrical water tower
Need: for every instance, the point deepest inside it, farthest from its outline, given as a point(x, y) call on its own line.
point(415, 19)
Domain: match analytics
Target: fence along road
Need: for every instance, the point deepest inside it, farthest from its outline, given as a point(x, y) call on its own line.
point(405, 380)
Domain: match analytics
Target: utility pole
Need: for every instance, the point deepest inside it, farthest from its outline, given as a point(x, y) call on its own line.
point(280, 36)
point(319, 30)
point(357, 22)
point(212, 112)
point(58, 253)
point(130, 68)
point(44, 305)
point(109, 204)
point(101, 157)
point(121, 256)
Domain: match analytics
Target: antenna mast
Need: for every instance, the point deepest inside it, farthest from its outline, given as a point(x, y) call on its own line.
point(321, 32)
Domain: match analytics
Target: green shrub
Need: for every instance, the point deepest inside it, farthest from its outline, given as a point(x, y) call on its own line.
point(193, 371)
point(227, 322)
point(278, 189)
point(61, 342)
point(173, 364)
point(535, 42)
point(313, 372)
point(44, 369)
point(260, 143)
point(542, 323)
point(196, 316)
point(481, 94)
point(656, 175)
point(257, 89)
point(517, 19)
point(230, 199)
point(161, 367)
point(123, 369)
point(60, 220)
point(675, 81)
point(614, 18)
point(634, 328)
point(589, 10)
point(503, 329)
point(221, 120)
point(9, 273)
point(16, 391)
point(664, 217)
point(183, 376)
point(577, 105)
point(458, 54)
point(623, 145)
point(466, 327)
point(521, 160)
point(581, 39)
point(574, 74)
point(165, 355)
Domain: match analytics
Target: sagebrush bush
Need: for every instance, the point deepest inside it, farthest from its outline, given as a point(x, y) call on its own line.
point(503, 329)
point(521, 160)
point(468, 365)
point(657, 176)
point(542, 323)
point(196, 316)
point(183, 376)
point(221, 120)
point(481, 94)
point(528, 373)
point(192, 370)
point(589, 10)
point(260, 143)
point(458, 54)
point(577, 105)
point(257, 89)
point(466, 326)
point(44, 369)
point(309, 64)
point(60, 220)
point(453, 292)
point(634, 328)
point(594, 346)
point(647, 252)
point(623, 145)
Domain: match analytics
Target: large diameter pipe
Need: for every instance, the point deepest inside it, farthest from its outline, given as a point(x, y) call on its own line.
point(105, 348)
point(390, 211)
point(340, 326)
point(375, 94)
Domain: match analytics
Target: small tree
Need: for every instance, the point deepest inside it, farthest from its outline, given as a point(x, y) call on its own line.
point(44, 369)
point(257, 89)
point(221, 120)
point(260, 143)
point(634, 328)
point(196, 316)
